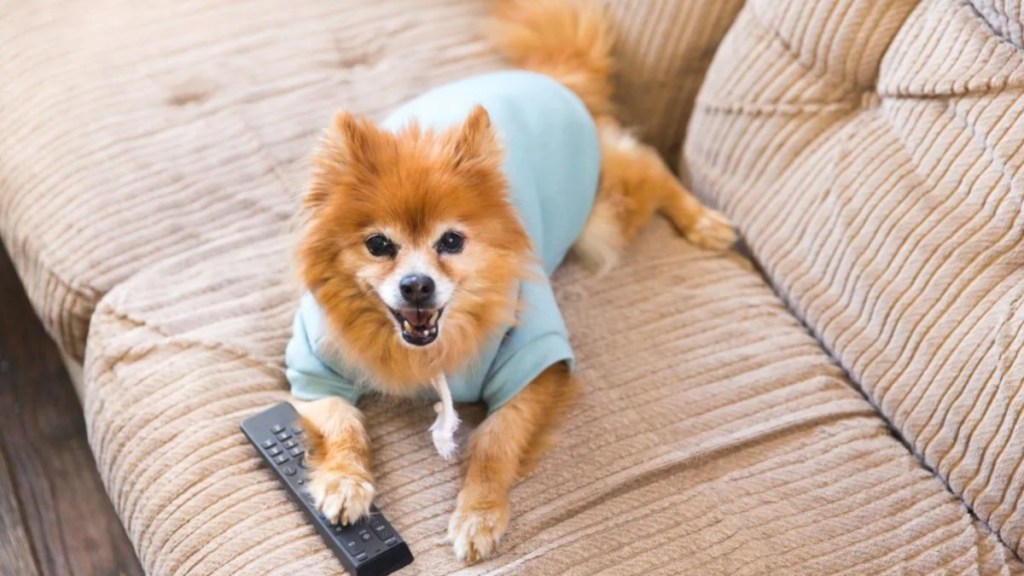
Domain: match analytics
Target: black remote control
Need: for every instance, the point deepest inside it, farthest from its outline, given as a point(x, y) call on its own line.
point(370, 547)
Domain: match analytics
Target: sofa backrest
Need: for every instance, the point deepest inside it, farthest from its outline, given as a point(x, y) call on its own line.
point(663, 50)
point(132, 134)
point(871, 153)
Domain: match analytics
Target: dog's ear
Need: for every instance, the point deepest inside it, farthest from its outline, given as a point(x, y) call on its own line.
point(348, 149)
point(356, 140)
point(475, 139)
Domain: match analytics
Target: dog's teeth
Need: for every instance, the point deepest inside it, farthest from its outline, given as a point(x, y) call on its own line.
point(433, 317)
point(406, 326)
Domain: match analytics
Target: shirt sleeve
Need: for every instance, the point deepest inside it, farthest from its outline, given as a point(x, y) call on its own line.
point(310, 376)
point(539, 340)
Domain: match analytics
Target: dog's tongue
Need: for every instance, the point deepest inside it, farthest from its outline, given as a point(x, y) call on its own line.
point(417, 317)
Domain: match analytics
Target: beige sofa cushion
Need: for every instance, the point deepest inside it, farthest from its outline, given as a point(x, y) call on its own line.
point(872, 153)
point(664, 49)
point(713, 436)
point(134, 132)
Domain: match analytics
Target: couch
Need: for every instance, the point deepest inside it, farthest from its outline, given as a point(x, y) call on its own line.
point(841, 397)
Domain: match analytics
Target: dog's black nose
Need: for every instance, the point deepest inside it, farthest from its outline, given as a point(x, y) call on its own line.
point(417, 289)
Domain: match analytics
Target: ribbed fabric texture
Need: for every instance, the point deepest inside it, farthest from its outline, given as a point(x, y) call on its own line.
point(871, 153)
point(713, 436)
point(131, 132)
point(664, 49)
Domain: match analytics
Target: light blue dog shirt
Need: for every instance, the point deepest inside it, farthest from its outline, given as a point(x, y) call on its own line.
point(552, 163)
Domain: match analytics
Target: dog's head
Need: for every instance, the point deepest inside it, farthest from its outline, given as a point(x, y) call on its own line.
point(411, 244)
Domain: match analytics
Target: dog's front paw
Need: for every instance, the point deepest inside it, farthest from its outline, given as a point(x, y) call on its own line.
point(712, 231)
point(341, 493)
point(476, 528)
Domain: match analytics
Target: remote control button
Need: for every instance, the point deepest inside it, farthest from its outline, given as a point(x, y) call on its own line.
point(297, 430)
point(364, 536)
point(302, 463)
point(295, 452)
point(277, 428)
point(391, 542)
point(301, 481)
point(283, 435)
point(351, 543)
point(381, 529)
point(338, 528)
point(281, 459)
point(268, 443)
point(290, 444)
point(361, 556)
point(288, 471)
point(274, 451)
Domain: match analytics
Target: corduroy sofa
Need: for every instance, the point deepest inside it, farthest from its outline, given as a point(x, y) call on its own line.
point(847, 397)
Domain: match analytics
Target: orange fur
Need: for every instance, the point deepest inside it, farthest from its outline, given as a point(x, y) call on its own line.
point(338, 455)
point(571, 41)
point(503, 449)
point(636, 183)
point(414, 184)
point(366, 179)
point(567, 40)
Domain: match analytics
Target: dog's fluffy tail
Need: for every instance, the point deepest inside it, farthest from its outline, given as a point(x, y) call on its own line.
point(568, 40)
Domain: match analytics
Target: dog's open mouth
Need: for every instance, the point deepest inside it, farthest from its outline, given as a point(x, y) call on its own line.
point(418, 325)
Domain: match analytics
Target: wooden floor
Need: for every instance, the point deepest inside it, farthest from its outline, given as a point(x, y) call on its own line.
point(55, 517)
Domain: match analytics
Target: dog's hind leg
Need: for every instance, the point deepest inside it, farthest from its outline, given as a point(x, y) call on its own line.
point(702, 226)
point(636, 183)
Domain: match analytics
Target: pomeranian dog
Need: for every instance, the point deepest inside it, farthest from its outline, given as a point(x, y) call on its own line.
point(426, 251)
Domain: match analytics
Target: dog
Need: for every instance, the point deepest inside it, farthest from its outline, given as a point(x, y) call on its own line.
point(426, 248)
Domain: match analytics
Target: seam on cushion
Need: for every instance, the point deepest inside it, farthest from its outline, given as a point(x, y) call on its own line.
point(105, 360)
point(988, 25)
point(178, 340)
point(997, 83)
point(784, 108)
point(851, 90)
point(992, 89)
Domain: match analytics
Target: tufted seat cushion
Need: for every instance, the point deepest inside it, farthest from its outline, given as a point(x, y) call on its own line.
point(872, 153)
point(713, 436)
point(132, 133)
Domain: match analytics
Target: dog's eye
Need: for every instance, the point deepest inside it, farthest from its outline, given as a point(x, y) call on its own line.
point(380, 245)
point(450, 243)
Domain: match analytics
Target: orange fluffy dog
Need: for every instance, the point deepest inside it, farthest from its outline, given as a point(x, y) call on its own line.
point(414, 251)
